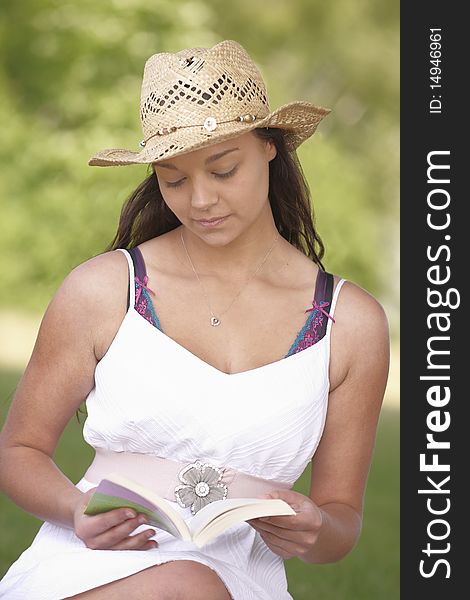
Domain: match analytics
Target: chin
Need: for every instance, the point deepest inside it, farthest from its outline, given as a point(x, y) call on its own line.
point(216, 239)
point(213, 237)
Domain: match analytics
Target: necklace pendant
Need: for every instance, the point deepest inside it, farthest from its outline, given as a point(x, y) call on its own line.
point(215, 321)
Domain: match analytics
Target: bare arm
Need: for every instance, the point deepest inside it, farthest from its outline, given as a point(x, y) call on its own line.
point(358, 373)
point(328, 522)
point(57, 379)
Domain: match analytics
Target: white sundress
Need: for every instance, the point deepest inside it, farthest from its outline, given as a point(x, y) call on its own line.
point(152, 395)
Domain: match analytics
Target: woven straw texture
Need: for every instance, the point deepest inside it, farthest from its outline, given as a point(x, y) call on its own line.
point(195, 98)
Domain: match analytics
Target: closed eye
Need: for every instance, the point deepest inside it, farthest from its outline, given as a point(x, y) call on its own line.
point(174, 184)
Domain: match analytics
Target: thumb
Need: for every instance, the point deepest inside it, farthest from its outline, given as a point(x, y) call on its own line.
point(87, 496)
point(291, 497)
point(288, 496)
point(275, 494)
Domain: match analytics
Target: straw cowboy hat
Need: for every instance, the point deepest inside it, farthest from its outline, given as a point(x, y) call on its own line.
point(202, 96)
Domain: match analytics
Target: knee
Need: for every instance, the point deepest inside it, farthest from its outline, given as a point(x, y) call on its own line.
point(190, 580)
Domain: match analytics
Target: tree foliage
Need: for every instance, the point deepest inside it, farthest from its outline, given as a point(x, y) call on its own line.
point(70, 77)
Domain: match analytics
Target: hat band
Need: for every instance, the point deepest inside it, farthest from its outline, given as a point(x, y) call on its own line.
point(210, 124)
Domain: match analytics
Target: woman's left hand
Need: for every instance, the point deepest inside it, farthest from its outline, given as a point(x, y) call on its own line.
point(292, 535)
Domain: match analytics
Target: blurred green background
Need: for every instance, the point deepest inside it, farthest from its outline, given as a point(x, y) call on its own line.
point(70, 77)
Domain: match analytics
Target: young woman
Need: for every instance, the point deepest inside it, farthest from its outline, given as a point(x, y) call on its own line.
point(208, 331)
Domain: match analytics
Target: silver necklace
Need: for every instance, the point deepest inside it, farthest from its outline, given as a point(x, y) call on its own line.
point(216, 320)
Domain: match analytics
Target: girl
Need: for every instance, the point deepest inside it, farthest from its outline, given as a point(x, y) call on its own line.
point(208, 336)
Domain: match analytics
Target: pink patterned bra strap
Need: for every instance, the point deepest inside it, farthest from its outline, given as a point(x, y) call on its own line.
point(321, 286)
point(141, 278)
point(322, 298)
point(139, 264)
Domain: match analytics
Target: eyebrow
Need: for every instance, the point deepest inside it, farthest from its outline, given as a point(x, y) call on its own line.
point(208, 160)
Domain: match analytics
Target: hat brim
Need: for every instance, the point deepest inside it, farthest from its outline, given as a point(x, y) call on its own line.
point(299, 120)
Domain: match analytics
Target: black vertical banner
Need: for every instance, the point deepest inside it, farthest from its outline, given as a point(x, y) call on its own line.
point(435, 432)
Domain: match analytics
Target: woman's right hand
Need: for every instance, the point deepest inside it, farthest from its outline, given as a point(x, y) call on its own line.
point(111, 530)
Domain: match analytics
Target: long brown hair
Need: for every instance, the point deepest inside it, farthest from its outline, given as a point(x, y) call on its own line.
point(145, 214)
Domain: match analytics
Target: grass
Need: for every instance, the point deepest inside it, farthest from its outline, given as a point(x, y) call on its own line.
point(369, 572)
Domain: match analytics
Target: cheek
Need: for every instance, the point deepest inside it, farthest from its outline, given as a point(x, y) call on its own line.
point(176, 203)
point(174, 199)
point(256, 183)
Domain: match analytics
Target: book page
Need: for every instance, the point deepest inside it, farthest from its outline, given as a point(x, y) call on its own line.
point(269, 507)
point(110, 495)
point(236, 509)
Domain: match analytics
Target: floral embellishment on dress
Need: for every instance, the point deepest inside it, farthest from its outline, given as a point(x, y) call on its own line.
point(201, 486)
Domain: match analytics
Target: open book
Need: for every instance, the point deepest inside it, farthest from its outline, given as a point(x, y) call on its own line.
point(116, 491)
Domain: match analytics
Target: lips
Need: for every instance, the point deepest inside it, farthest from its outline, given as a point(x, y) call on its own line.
point(211, 220)
point(212, 223)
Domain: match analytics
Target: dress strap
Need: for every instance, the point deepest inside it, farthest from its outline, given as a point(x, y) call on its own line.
point(130, 283)
point(334, 300)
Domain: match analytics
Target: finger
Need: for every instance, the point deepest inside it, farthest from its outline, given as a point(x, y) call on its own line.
point(288, 496)
point(85, 498)
point(282, 545)
point(114, 535)
point(298, 502)
point(299, 522)
point(138, 541)
point(151, 545)
point(275, 545)
point(113, 518)
point(278, 550)
point(281, 533)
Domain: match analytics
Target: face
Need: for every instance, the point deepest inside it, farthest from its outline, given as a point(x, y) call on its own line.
point(230, 180)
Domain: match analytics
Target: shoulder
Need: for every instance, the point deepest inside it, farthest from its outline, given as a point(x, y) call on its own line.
point(360, 335)
point(91, 302)
point(353, 302)
point(97, 279)
point(104, 268)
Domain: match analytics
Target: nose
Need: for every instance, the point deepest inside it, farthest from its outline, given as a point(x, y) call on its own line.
point(203, 195)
